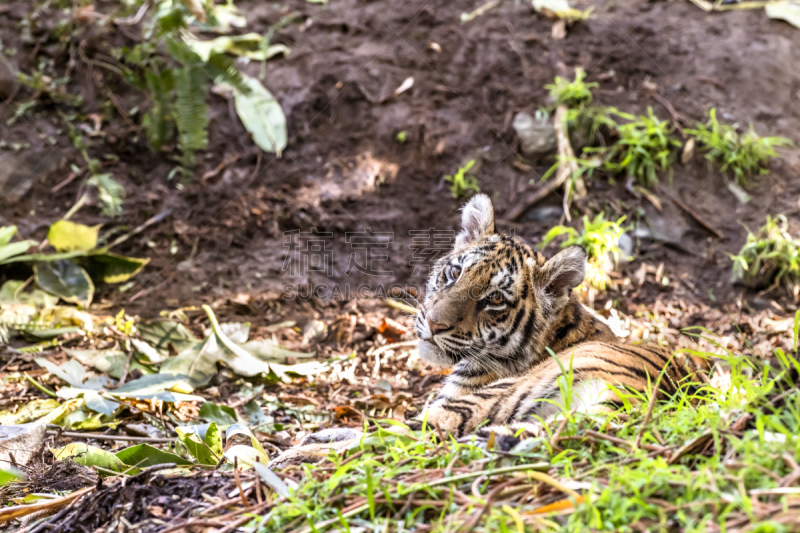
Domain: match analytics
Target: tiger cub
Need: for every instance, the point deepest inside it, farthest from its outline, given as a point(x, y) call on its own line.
point(493, 308)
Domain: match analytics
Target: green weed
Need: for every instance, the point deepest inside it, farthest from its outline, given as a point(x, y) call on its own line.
point(770, 256)
point(461, 182)
point(744, 154)
point(600, 239)
point(644, 147)
point(572, 93)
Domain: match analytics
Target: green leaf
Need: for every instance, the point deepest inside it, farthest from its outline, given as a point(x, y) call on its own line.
point(7, 251)
point(153, 386)
point(66, 236)
point(236, 331)
point(204, 442)
point(9, 474)
point(114, 268)
point(66, 280)
point(111, 362)
point(162, 335)
point(245, 456)
point(788, 11)
point(199, 361)
point(222, 415)
point(241, 429)
point(150, 354)
point(45, 257)
point(30, 411)
point(271, 478)
point(269, 351)
point(73, 373)
point(87, 455)
point(91, 398)
point(261, 115)
point(12, 292)
point(6, 234)
point(144, 455)
point(248, 45)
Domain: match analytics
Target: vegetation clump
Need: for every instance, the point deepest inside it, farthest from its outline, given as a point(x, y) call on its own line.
point(769, 257)
point(572, 93)
point(744, 154)
point(600, 238)
point(644, 147)
point(462, 183)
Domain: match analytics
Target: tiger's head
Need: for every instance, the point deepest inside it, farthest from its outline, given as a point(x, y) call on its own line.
point(493, 303)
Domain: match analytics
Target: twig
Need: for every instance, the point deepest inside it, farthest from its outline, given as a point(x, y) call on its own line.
point(149, 222)
point(623, 442)
point(238, 481)
point(700, 220)
point(677, 118)
point(9, 362)
point(124, 375)
point(94, 436)
point(18, 511)
point(69, 179)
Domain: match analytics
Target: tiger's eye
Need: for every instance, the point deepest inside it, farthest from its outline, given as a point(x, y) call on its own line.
point(455, 271)
point(496, 298)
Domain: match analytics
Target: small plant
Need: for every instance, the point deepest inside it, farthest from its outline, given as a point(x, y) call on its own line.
point(463, 183)
point(401, 137)
point(572, 93)
point(644, 147)
point(744, 154)
point(600, 238)
point(769, 257)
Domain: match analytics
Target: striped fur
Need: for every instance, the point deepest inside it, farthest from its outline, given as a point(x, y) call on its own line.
point(497, 312)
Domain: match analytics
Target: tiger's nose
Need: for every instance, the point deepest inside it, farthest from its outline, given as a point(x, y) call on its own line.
point(436, 327)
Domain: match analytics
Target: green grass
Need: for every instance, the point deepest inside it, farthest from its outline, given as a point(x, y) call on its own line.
point(770, 256)
point(572, 93)
point(743, 154)
point(702, 459)
point(462, 183)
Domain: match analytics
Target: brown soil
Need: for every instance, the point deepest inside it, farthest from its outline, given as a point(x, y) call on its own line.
point(225, 234)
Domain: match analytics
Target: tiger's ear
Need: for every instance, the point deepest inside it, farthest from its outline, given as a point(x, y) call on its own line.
point(477, 221)
point(564, 271)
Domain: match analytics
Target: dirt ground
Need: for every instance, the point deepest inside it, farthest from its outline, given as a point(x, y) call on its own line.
point(345, 171)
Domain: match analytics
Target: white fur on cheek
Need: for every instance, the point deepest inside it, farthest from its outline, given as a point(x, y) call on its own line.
point(433, 354)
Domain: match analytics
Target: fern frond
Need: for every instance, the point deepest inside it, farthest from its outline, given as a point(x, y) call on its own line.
point(191, 87)
point(159, 121)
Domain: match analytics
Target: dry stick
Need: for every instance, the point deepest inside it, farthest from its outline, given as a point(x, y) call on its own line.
point(623, 442)
point(566, 166)
point(77, 435)
point(677, 118)
point(238, 481)
point(700, 220)
point(124, 375)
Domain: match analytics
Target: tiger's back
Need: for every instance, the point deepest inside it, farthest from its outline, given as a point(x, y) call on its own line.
point(594, 374)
